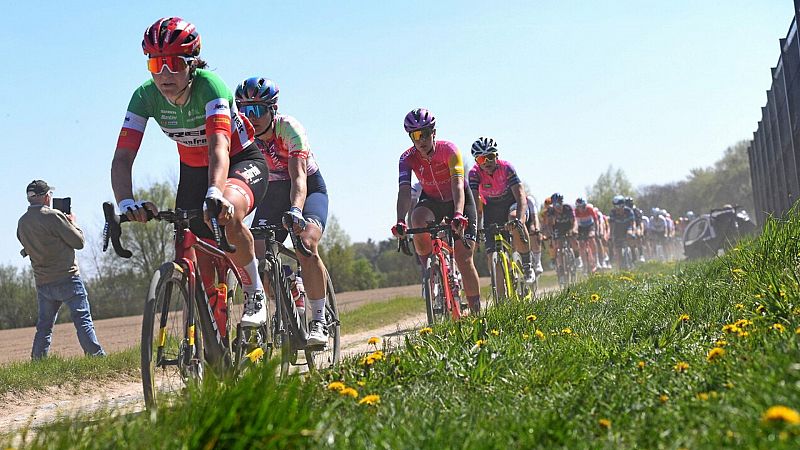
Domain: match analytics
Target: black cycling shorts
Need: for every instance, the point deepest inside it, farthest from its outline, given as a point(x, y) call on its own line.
point(248, 173)
point(276, 202)
point(441, 210)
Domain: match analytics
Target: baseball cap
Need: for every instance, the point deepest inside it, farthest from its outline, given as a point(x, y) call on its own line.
point(38, 187)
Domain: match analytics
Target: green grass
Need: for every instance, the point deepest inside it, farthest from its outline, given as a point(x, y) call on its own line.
point(603, 371)
point(379, 314)
point(57, 371)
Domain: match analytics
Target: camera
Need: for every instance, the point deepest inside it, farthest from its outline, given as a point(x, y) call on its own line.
point(63, 204)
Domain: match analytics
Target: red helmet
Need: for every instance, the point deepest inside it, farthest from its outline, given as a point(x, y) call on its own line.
point(171, 36)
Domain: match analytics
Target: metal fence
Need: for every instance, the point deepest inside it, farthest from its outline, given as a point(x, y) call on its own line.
point(774, 162)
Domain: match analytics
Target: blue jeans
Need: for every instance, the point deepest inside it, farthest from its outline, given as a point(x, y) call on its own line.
point(51, 295)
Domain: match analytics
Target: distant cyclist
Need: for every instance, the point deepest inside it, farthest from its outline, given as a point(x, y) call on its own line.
point(439, 168)
point(638, 229)
point(297, 195)
point(561, 222)
point(602, 239)
point(496, 182)
point(621, 219)
point(587, 230)
point(218, 159)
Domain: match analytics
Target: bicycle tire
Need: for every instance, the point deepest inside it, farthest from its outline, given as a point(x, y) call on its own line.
point(438, 303)
point(493, 278)
point(171, 356)
point(329, 356)
point(521, 288)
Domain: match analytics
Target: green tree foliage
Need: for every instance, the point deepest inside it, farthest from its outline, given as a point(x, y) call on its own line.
point(726, 182)
point(348, 270)
point(610, 183)
point(18, 306)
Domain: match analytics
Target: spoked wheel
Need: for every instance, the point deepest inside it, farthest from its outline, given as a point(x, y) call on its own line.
point(522, 289)
point(572, 267)
point(172, 346)
point(327, 356)
point(561, 269)
point(434, 292)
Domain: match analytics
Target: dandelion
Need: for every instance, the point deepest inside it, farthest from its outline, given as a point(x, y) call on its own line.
point(782, 293)
point(778, 327)
point(361, 383)
point(729, 385)
point(741, 323)
point(797, 331)
point(641, 365)
point(367, 360)
point(731, 328)
point(594, 297)
point(715, 354)
point(624, 278)
point(702, 396)
point(495, 333)
point(541, 336)
point(374, 341)
point(759, 296)
point(739, 306)
point(663, 398)
point(480, 343)
point(760, 309)
point(681, 367)
point(780, 413)
point(721, 343)
point(336, 386)
point(604, 423)
point(531, 318)
point(525, 336)
point(567, 330)
point(426, 330)
point(683, 318)
point(349, 392)
point(371, 399)
point(738, 272)
point(377, 355)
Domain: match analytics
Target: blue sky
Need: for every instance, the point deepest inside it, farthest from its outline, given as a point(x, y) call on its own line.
point(566, 88)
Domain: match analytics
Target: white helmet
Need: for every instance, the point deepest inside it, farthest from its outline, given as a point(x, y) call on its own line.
point(483, 146)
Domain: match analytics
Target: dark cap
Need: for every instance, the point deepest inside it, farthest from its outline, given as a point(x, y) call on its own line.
point(38, 187)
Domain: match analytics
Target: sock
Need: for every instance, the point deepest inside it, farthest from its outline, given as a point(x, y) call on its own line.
point(250, 279)
point(317, 309)
point(537, 257)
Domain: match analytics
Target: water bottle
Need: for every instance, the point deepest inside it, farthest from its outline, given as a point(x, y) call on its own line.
point(297, 289)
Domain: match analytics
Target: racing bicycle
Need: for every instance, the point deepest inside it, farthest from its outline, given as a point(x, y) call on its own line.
point(510, 281)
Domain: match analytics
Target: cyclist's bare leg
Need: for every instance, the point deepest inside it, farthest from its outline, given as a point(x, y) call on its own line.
point(422, 241)
point(466, 265)
point(238, 234)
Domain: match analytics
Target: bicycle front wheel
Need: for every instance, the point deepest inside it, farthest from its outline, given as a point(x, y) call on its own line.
point(171, 346)
point(434, 292)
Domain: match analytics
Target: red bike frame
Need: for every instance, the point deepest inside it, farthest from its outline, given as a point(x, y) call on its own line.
point(439, 246)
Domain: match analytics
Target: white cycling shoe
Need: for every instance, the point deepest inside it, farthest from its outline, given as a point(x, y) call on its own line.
point(317, 333)
point(255, 314)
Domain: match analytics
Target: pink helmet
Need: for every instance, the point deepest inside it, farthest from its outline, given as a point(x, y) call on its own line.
point(418, 119)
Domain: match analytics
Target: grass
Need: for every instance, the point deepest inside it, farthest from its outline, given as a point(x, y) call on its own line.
point(56, 371)
point(673, 356)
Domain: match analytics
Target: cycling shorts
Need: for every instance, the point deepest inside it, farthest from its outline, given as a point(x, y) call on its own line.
point(442, 209)
point(276, 202)
point(586, 232)
point(247, 173)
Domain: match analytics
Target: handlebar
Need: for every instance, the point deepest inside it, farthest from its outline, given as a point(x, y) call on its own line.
point(494, 228)
point(112, 230)
point(268, 232)
point(432, 229)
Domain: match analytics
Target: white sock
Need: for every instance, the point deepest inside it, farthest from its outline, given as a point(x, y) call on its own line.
point(251, 282)
point(318, 309)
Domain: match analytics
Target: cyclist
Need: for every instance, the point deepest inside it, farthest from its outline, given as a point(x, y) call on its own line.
point(658, 231)
point(621, 219)
point(545, 229)
point(602, 238)
point(561, 223)
point(588, 221)
point(297, 195)
point(218, 159)
point(638, 230)
point(438, 166)
point(496, 182)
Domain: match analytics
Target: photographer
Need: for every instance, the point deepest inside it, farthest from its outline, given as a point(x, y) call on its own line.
point(50, 238)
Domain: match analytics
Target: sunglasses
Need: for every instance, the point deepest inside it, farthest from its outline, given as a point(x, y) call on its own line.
point(483, 158)
point(255, 110)
point(174, 64)
point(420, 134)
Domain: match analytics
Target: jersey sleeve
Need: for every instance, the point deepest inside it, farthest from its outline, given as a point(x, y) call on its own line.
point(512, 179)
point(404, 169)
point(293, 136)
point(218, 106)
point(474, 179)
point(454, 162)
point(130, 136)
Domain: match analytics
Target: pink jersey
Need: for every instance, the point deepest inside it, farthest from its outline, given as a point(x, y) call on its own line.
point(434, 174)
point(495, 186)
point(586, 216)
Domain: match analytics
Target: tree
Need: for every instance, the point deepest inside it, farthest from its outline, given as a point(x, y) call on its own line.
point(609, 184)
point(347, 271)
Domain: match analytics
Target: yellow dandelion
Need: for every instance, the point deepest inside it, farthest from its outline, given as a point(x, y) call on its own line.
point(731, 328)
point(738, 272)
point(778, 327)
point(780, 413)
point(594, 297)
point(495, 333)
point(376, 355)
point(604, 423)
point(797, 331)
point(739, 306)
point(624, 278)
point(371, 399)
point(361, 383)
point(367, 361)
point(663, 398)
point(782, 293)
point(641, 365)
point(760, 309)
point(702, 396)
point(759, 296)
point(715, 354)
point(336, 386)
point(531, 318)
point(743, 334)
point(742, 323)
point(349, 392)
point(684, 318)
point(525, 336)
point(374, 340)
point(681, 367)
point(567, 330)
point(721, 343)
point(426, 330)
point(729, 385)
point(480, 343)
point(541, 336)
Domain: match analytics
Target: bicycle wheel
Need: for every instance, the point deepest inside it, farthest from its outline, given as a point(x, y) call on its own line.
point(493, 278)
point(521, 288)
point(328, 356)
point(434, 298)
point(171, 346)
point(572, 267)
point(561, 268)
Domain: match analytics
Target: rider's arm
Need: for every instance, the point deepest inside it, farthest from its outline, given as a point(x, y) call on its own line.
point(293, 135)
point(121, 173)
point(218, 159)
point(403, 201)
point(479, 210)
point(522, 202)
point(457, 186)
point(297, 173)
